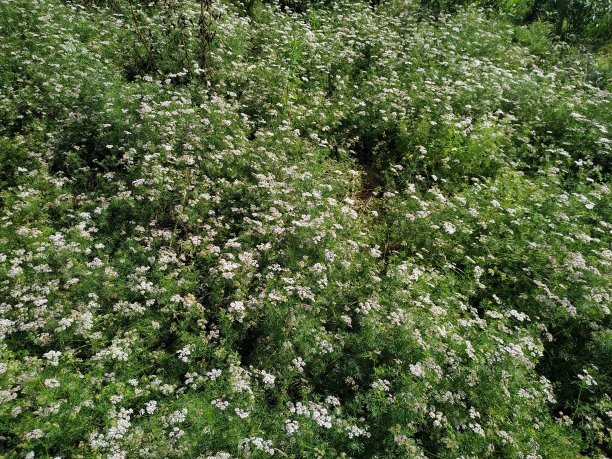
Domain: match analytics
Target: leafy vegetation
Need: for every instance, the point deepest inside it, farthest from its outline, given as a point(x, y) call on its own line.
point(304, 229)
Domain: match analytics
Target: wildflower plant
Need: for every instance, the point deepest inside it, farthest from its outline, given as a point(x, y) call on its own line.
point(354, 231)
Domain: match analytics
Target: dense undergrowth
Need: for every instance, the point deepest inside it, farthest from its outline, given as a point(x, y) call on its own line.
point(357, 231)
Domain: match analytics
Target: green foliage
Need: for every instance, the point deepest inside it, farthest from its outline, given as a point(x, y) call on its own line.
point(587, 21)
point(536, 36)
point(359, 230)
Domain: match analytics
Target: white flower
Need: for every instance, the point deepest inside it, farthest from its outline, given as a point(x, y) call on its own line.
point(449, 227)
point(268, 378)
point(213, 374)
point(177, 417)
point(477, 428)
point(52, 357)
point(299, 364)
point(52, 383)
point(291, 426)
point(34, 434)
point(184, 354)
point(221, 404)
point(238, 310)
point(220, 455)
point(382, 384)
point(326, 347)
point(354, 431)
point(417, 370)
point(151, 407)
point(587, 378)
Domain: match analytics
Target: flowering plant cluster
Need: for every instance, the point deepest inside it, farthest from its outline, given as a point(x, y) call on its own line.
point(358, 232)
